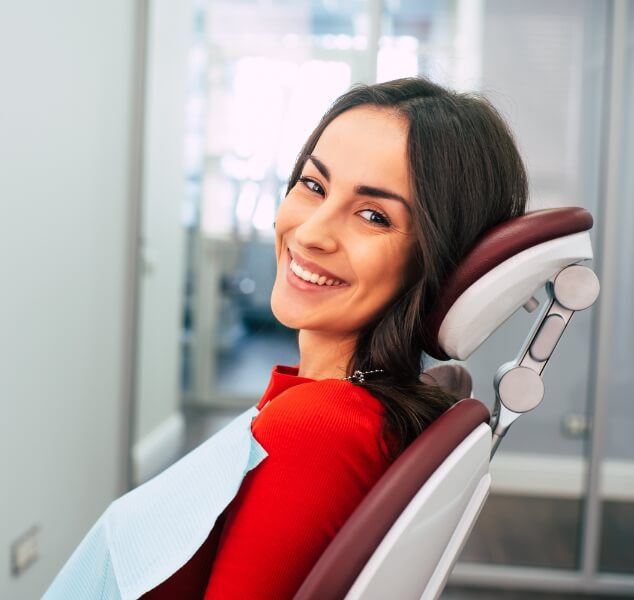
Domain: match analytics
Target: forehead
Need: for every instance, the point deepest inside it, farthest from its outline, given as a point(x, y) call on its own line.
point(367, 145)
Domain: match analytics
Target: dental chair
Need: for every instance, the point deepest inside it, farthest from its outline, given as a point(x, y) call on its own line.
point(404, 538)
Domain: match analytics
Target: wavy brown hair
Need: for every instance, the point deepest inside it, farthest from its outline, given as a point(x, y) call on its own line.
point(467, 176)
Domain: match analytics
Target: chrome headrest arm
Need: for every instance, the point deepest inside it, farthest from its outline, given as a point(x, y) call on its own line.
point(518, 384)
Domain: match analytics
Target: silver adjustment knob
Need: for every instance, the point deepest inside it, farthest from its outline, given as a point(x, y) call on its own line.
point(521, 389)
point(576, 287)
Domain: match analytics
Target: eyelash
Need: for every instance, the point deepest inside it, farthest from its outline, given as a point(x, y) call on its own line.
point(387, 222)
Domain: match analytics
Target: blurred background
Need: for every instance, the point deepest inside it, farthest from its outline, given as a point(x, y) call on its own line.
point(144, 149)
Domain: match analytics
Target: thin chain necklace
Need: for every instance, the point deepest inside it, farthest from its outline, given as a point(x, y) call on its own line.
point(359, 375)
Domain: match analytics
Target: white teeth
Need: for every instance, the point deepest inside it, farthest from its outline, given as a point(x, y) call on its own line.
point(312, 277)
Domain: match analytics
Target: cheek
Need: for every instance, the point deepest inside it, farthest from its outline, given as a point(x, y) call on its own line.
point(282, 225)
point(380, 263)
point(289, 216)
point(384, 279)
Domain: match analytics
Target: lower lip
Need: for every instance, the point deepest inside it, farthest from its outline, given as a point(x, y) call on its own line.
point(299, 284)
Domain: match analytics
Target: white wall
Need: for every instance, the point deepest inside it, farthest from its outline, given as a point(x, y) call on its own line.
point(67, 97)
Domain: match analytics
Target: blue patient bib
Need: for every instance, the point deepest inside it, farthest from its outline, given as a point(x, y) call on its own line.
point(149, 533)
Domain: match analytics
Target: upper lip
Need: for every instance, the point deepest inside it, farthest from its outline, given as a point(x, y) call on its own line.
point(314, 267)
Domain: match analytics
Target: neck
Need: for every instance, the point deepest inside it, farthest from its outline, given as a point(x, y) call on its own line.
point(324, 355)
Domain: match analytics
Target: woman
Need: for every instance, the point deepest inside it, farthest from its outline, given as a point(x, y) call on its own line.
point(396, 183)
point(392, 188)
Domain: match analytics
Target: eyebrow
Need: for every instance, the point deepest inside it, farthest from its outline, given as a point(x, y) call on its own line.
point(363, 190)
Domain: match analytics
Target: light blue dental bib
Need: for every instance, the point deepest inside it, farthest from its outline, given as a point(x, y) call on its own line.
point(149, 533)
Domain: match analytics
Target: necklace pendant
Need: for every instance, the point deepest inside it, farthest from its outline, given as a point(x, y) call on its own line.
point(358, 375)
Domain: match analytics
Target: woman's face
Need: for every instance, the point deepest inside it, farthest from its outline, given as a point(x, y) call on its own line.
point(342, 221)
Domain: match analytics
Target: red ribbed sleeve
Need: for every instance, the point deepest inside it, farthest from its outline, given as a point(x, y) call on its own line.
point(325, 452)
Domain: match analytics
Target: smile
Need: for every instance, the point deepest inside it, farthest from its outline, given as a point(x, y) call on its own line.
point(304, 279)
point(307, 275)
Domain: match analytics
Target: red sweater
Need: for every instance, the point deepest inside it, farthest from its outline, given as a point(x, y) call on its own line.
point(325, 452)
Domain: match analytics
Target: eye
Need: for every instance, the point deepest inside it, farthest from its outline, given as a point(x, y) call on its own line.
point(383, 219)
point(306, 181)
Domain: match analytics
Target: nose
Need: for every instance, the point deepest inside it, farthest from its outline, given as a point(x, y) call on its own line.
point(319, 230)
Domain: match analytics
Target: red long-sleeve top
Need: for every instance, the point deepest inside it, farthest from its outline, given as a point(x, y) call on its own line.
point(325, 452)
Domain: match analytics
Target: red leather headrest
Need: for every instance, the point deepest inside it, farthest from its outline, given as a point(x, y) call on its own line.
point(497, 245)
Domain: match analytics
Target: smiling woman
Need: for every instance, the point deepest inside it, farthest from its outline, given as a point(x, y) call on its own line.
point(392, 188)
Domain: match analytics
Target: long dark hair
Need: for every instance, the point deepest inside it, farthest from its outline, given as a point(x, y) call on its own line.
point(467, 176)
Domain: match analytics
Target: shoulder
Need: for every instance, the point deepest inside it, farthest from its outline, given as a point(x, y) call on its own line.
point(330, 411)
point(325, 398)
